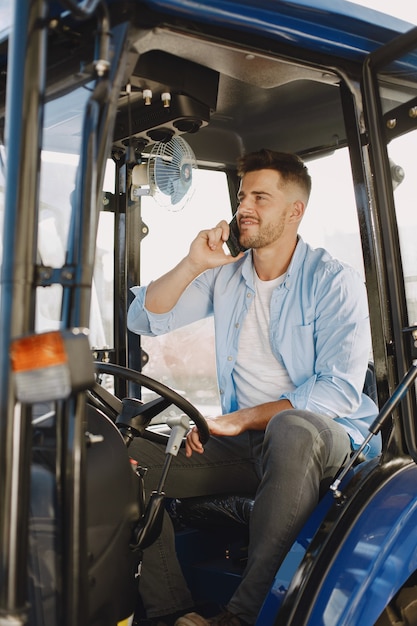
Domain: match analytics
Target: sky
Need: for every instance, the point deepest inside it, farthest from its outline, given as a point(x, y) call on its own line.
point(403, 9)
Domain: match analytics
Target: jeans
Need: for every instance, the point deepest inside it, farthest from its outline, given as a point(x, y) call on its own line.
point(281, 468)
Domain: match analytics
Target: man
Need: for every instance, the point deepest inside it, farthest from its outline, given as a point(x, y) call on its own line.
point(292, 344)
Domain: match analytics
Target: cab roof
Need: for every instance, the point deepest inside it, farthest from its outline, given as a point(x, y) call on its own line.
point(340, 27)
point(244, 75)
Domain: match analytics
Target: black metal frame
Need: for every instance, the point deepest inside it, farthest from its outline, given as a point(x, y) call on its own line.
point(370, 233)
point(26, 86)
point(26, 96)
point(398, 347)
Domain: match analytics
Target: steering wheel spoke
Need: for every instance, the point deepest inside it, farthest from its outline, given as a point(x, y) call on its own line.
point(132, 416)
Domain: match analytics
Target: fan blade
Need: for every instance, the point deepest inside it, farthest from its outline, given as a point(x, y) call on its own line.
point(166, 173)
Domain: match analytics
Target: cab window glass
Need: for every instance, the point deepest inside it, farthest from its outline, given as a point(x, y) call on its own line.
point(58, 175)
point(402, 155)
point(2, 177)
point(331, 219)
point(184, 359)
point(397, 85)
point(57, 182)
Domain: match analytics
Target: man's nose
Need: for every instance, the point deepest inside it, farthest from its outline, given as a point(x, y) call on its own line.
point(244, 206)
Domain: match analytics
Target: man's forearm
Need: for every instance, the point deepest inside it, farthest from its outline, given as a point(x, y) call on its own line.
point(163, 294)
point(253, 418)
point(257, 417)
point(206, 251)
point(232, 424)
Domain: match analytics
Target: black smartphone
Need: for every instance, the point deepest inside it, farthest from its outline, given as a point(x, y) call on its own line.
point(233, 241)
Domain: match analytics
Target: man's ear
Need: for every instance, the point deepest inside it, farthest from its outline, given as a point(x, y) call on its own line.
point(297, 211)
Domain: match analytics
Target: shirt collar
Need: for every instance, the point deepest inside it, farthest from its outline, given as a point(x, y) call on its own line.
point(297, 258)
point(295, 263)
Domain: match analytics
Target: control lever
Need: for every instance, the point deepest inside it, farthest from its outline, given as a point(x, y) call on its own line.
point(149, 526)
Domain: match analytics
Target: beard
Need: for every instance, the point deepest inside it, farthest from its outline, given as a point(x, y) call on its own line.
point(264, 236)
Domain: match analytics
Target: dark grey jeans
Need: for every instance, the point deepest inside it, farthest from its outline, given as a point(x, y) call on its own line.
point(282, 468)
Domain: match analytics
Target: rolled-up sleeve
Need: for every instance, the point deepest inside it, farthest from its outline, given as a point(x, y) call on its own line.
point(195, 303)
point(137, 315)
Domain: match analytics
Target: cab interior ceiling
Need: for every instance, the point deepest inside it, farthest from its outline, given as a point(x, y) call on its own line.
point(251, 99)
point(226, 99)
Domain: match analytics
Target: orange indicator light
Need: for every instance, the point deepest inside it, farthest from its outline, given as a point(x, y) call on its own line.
point(38, 351)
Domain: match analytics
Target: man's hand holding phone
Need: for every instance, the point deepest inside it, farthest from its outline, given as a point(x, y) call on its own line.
point(233, 241)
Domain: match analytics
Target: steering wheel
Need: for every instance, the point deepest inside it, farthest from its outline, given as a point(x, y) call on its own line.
point(133, 416)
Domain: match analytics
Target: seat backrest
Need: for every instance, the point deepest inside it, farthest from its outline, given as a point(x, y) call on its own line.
point(370, 383)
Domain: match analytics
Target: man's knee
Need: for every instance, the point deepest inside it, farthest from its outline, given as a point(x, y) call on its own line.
point(299, 430)
point(296, 421)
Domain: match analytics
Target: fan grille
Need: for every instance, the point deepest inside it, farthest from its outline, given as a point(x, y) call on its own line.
point(171, 167)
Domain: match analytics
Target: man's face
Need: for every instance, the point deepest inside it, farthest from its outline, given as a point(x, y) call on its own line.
point(264, 205)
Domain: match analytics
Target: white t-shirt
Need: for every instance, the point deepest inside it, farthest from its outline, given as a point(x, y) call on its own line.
point(258, 376)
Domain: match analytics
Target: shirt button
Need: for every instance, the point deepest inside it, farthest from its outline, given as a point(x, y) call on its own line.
point(221, 392)
point(230, 358)
point(249, 295)
point(237, 325)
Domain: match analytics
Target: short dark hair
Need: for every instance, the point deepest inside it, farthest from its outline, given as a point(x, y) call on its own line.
point(290, 166)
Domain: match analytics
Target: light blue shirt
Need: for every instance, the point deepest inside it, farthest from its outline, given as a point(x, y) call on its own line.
point(319, 331)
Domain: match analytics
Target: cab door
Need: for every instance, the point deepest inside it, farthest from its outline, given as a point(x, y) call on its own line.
point(389, 89)
point(359, 568)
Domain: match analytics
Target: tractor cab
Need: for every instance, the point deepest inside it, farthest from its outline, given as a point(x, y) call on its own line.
point(121, 123)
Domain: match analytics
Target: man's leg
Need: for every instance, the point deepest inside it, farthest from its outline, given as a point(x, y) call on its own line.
point(300, 450)
point(227, 466)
